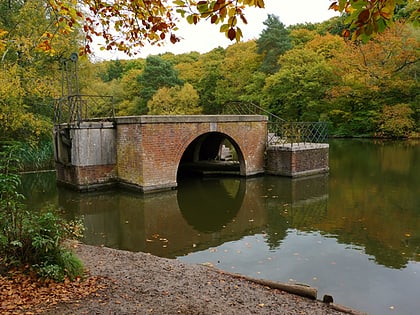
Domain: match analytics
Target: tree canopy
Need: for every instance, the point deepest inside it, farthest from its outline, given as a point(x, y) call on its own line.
point(361, 88)
point(128, 25)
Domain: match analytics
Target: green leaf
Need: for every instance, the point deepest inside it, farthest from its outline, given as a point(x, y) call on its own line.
point(224, 28)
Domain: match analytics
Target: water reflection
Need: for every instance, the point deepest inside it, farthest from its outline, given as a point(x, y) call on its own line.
point(40, 189)
point(200, 214)
point(376, 201)
point(209, 205)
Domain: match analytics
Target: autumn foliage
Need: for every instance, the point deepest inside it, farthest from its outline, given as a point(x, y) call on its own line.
point(128, 25)
point(24, 293)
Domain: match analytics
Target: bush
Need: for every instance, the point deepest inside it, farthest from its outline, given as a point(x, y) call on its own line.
point(397, 121)
point(32, 239)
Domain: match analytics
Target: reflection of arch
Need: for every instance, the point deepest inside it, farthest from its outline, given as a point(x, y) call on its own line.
point(209, 205)
point(203, 155)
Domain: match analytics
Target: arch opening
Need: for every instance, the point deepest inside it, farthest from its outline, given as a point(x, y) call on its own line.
point(211, 154)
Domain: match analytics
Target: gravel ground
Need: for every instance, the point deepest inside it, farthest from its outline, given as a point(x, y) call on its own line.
point(138, 283)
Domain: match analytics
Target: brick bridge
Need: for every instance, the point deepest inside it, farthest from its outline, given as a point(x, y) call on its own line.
point(149, 152)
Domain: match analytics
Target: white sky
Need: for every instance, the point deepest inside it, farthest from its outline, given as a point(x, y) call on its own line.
point(205, 36)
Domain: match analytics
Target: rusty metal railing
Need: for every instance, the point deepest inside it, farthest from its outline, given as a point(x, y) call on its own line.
point(76, 108)
point(280, 131)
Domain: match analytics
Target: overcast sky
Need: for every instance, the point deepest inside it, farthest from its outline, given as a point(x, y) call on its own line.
point(204, 36)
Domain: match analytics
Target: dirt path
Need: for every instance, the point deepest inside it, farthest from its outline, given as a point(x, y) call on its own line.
point(138, 283)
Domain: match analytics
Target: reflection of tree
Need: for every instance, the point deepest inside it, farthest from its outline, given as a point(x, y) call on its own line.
point(302, 215)
point(39, 188)
point(277, 227)
point(383, 253)
point(210, 204)
point(294, 203)
point(374, 202)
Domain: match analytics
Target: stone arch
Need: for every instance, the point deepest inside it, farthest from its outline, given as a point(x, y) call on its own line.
point(206, 147)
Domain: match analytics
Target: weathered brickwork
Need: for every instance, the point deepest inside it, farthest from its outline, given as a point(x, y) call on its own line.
point(86, 177)
point(297, 160)
point(150, 149)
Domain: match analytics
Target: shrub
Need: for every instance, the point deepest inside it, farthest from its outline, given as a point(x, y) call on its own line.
point(397, 121)
point(35, 156)
point(32, 239)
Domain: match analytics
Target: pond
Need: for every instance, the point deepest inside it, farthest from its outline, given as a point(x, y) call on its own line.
point(354, 233)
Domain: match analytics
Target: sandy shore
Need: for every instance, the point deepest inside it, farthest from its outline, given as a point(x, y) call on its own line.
point(139, 283)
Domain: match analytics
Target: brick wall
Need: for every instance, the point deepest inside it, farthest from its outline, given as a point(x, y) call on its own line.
point(298, 160)
point(86, 177)
point(149, 148)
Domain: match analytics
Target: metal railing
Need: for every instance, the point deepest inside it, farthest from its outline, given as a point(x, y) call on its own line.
point(76, 108)
point(298, 133)
point(280, 131)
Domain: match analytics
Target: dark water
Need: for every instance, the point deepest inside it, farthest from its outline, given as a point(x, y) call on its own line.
point(354, 234)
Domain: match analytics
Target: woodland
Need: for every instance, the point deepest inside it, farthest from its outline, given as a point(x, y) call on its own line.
point(305, 72)
point(299, 73)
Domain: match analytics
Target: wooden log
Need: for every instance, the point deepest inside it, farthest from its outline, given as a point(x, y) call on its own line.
point(345, 309)
point(303, 290)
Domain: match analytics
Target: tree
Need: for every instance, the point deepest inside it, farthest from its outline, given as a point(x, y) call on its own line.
point(28, 74)
point(382, 72)
point(298, 90)
point(397, 120)
point(240, 64)
point(157, 74)
point(369, 17)
point(16, 122)
point(210, 63)
point(274, 41)
point(177, 100)
point(114, 71)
